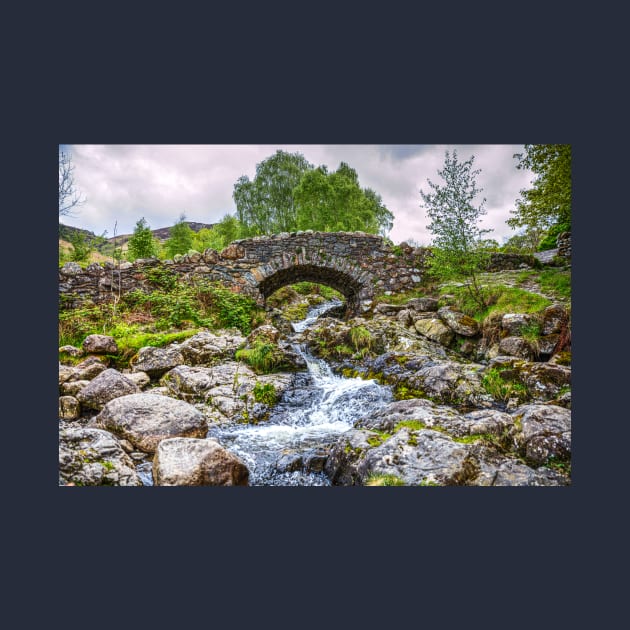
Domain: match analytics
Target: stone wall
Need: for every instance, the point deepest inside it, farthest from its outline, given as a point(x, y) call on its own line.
point(358, 265)
point(564, 245)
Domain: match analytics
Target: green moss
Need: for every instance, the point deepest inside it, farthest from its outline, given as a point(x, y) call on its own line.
point(403, 392)
point(415, 425)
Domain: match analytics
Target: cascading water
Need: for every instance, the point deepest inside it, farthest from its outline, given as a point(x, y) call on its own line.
point(285, 449)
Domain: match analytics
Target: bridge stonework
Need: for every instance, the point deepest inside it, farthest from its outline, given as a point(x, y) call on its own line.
point(356, 264)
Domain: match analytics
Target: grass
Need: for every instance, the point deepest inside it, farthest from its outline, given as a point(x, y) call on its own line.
point(361, 338)
point(265, 393)
point(263, 357)
point(501, 389)
point(383, 480)
point(555, 282)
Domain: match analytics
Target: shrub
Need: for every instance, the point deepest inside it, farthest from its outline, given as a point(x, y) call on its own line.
point(265, 393)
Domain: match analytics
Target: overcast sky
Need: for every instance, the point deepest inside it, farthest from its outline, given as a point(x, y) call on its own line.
point(123, 183)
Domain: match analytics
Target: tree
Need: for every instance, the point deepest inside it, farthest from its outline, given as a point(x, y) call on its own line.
point(142, 243)
point(266, 205)
point(69, 197)
point(219, 236)
point(331, 202)
point(548, 203)
point(458, 247)
point(181, 239)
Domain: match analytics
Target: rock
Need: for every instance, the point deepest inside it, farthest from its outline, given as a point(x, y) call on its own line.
point(389, 309)
point(100, 344)
point(108, 385)
point(93, 457)
point(71, 269)
point(405, 318)
point(206, 348)
point(554, 318)
point(462, 324)
point(72, 388)
point(435, 330)
point(232, 252)
point(514, 323)
point(141, 379)
point(543, 381)
point(157, 361)
point(65, 373)
point(263, 334)
point(71, 350)
point(146, 419)
point(88, 369)
point(194, 462)
point(69, 408)
point(422, 304)
point(543, 432)
point(547, 343)
point(516, 347)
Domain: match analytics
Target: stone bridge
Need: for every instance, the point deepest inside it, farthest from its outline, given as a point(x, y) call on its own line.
point(356, 264)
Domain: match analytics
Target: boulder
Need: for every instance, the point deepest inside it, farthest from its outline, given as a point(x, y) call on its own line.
point(141, 379)
point(72, 388)
point(69, 408)
point(206, 348)
point(543, 432)
point(514, 323)
point(157, 361)
point(462, 324)
point(554, 318)
point(71, 351)
point(146, 419)
point(100, 344)
point(516, 347)
point(422, 304)
point(435, 330)
point(88, 369)
point(108, 385)
point(194, 462)
point(93, 457)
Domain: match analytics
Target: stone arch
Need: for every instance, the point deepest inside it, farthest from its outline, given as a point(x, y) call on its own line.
point(351, 287)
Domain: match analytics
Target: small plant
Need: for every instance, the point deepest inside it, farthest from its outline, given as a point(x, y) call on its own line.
point(265, 393)
point(361, 337)
point(383, 480)
point(262, 357)
point(499, 388)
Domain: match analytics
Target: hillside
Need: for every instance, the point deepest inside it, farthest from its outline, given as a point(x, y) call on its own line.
point(105, 246)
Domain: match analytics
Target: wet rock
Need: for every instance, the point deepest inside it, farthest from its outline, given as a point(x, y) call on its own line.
point(108, 385)
point(194, 462)
point(93, 457)
point(100, 344)
point(157, 361)
point(146, 419)
point(462, 324)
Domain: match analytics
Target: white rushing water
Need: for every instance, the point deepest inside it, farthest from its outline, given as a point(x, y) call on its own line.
point(309, 417)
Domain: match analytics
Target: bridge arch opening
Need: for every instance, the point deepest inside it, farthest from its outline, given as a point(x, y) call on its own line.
point(348, 286)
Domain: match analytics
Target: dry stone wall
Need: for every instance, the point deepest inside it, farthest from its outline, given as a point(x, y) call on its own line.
point(358, 265)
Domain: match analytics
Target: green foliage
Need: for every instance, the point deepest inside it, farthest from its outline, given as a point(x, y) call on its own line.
point(82, 247)
point(263, 357)
point(376, 479)
point(265, 393)
point(549, 240)
point(501, 389)
point(524, 242)
point(266, 205)
point(556, 282)
point(312, 288)
point(161, 278)
point(181, 239)
point(331, 202)
point(288, 194)
point(219, 236)
point(361, 338)
point(141, 244)
point(459, 250)
point(548, 202)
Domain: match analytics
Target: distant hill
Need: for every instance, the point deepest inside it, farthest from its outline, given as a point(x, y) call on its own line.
point(105, 246)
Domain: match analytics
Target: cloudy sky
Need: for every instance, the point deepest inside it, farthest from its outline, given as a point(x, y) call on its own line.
point(123, 183)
